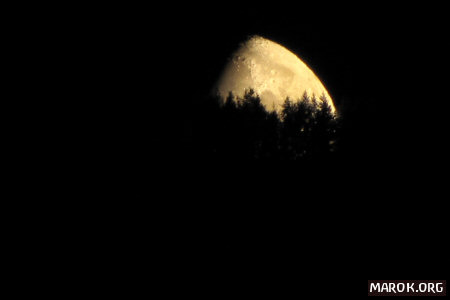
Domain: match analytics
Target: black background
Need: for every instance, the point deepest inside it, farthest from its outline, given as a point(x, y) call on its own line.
point(192, 227)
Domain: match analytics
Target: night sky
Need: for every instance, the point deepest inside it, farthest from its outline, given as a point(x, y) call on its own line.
point(381, 70)
point(381, 205)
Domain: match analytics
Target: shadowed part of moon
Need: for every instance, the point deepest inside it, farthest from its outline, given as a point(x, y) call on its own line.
point(274, 72)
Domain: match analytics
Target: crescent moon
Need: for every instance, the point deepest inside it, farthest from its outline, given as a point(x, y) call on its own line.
point(272, 71)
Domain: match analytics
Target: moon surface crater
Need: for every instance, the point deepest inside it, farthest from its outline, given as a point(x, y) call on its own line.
point(272, 71)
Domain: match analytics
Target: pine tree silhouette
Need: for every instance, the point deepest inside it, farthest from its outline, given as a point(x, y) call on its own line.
point(238, 128)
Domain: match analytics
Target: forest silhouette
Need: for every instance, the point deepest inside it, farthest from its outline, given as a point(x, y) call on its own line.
point(241, 128)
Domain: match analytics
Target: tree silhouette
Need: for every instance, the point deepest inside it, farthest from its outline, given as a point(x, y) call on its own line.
point(242, 129)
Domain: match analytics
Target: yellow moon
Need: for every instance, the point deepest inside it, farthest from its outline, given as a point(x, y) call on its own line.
point(272, 71)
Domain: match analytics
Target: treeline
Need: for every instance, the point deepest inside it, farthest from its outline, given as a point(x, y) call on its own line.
point(241, 128)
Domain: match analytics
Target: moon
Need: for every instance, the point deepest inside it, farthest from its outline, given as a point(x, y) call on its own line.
point(272, 71)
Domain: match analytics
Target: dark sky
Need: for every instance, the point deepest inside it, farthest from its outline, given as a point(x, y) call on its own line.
point(386, 69)
point(381, 64)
